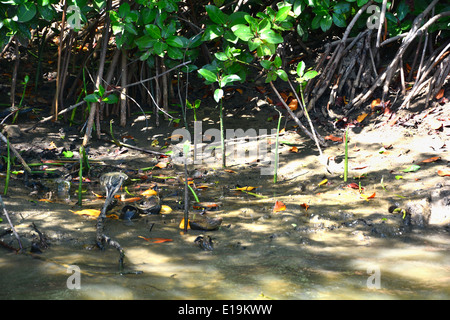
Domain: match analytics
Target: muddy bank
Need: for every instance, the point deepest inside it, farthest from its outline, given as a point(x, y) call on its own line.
point(320, 246)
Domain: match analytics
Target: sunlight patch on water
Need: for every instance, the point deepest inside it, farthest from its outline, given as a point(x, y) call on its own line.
point(105, 292)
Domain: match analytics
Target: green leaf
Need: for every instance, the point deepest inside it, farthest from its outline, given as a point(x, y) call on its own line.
point(221, 56)
point(402, 10)
point(342, 7)
point(111, 99)
point(101, 90)
point(148, 15)
point(145, 42)
point(124, 10)
point(412, 168)
point(266, 49)
point(277, 62)
point(310, 74)
point(326, 22)
point(361, 2)
point(26, 12)
point(175, 41)
point(93, 97)
point(212, 32)
point(271, 36)
point(283, 13)
point(216, 15)
point(229, 79)
point(208, 75)
point(254, 44)
point(266, 64)
point(131, 29)
point(67, 154)
point(153, 31)
point(159, 48)
point(282, 74)
point(339, 20)
point(301, 68)
point(174, 53)
point(218, 94)
point(46, 12)
point(243, 32)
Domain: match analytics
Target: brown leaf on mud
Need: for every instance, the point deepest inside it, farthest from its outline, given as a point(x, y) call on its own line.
point(432, 159)
point(260, 89)
point(333, 138)
point(444, 173)
point(87, 212)
point(361, 117)
point(440, 94)
point(366, 197)
point(279, 206)
point(375, 103)
point(156, 240)
point(436, 124)
point(134, 199)
point(293, 105)
point(247, 188)
point(304, 205)
point(353, 186)
point(161, 165)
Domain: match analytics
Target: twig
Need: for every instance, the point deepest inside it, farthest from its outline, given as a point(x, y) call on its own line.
point(293, 116)
point(5, 212)
point(25, 166)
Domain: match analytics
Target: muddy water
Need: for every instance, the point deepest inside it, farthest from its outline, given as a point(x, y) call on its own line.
point(323, 266)
point(341, 247)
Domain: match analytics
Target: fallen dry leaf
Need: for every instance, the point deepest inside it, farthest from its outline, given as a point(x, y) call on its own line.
point(87, 212)
point(156, 240)
point(444, 173)
point(293, 105)
point(304, 205)
point(440, 94)
point(333, 138)
point(244, 189)
point(134, 199)
point(293, 149)
point(366, 197)
point(279, 206)
point(149, 192)
point(181, 226)
point(375, 103)
point(354, 186)
point(361, 117)
point(161, 165)
point(432, 159)
point(165, 209)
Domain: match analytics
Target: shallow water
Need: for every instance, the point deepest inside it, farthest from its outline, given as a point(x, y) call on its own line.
point(322, 265)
